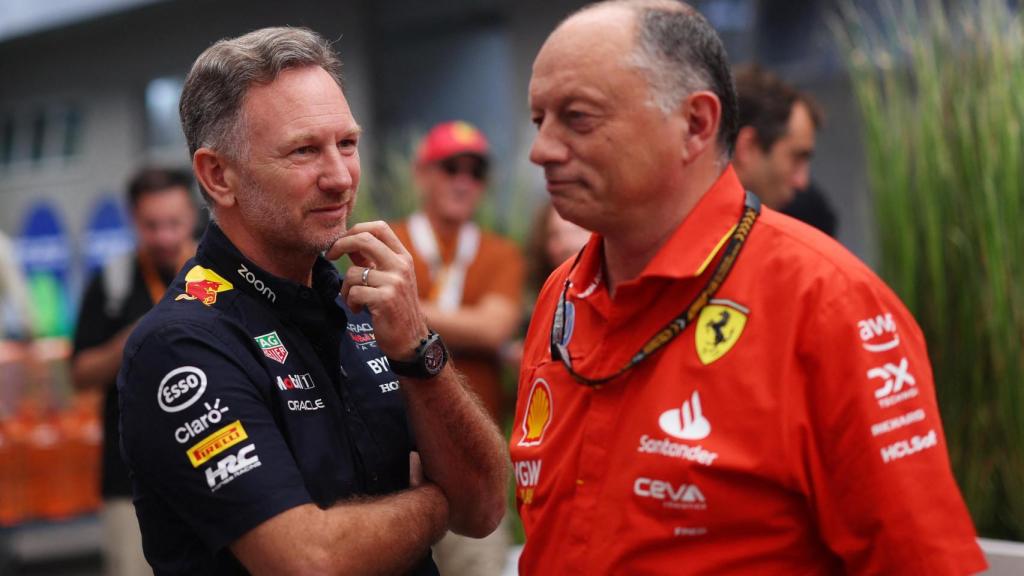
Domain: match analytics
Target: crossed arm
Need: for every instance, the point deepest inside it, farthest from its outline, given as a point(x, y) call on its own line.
point(464, 459)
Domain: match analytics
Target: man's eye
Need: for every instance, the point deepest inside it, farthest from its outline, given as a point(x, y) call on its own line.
point(537, 121)
point(304, 150)
point(576, 116)
point(347, 143)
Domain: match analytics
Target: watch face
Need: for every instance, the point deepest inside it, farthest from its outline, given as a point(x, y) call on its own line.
point(433, 357)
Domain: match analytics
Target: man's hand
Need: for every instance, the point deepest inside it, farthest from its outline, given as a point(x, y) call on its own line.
point(389, 292)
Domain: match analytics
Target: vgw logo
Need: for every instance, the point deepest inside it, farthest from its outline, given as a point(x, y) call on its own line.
point(527, 473)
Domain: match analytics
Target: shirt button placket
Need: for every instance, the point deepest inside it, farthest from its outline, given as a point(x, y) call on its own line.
point(592, 469)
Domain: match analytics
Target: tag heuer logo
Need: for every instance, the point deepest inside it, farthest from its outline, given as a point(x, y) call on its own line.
point(272, 347)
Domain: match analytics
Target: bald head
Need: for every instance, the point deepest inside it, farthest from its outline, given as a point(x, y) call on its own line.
point(671, 43)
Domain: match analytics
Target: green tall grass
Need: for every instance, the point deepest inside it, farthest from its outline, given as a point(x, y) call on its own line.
point(941, 96)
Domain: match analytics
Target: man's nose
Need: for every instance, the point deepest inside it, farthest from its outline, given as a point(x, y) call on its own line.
point(547, 148)
point(801, 178)
point(335, 174)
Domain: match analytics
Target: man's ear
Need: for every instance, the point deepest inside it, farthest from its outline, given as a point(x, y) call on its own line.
point(216, 175)
point(748, 147)
point(702, 112)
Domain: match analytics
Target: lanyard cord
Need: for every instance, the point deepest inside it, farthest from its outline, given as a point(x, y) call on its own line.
point(675, 327)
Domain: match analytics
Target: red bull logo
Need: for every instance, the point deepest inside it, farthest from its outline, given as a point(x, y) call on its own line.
point(203, 284)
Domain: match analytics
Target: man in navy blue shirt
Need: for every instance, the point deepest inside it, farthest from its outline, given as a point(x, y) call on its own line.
point(277, 419)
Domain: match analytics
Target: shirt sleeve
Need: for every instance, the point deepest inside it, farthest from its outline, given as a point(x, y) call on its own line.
point(879, 477)
point(197, 431)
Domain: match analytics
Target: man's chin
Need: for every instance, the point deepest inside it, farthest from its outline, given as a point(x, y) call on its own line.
point(327, 241)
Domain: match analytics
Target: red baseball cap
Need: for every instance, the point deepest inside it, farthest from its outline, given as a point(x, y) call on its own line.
point(451, 139)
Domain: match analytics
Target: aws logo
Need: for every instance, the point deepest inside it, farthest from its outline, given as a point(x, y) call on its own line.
point(538, 414)
point(718, 329)
point(203, 284)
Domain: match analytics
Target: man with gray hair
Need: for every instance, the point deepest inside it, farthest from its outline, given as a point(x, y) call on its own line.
point(276, 419)
point(709, 387)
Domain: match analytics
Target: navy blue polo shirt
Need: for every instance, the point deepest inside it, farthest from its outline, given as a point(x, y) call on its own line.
point(243, 395)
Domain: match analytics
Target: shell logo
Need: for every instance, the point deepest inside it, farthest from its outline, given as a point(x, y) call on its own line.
point(539, 409)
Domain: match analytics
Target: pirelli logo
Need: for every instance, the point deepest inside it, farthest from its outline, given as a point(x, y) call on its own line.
point(216, 443)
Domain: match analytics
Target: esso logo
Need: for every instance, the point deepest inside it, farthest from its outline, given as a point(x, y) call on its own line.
point(181, 388)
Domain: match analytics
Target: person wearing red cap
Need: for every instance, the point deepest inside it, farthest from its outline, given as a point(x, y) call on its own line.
point(470, 283)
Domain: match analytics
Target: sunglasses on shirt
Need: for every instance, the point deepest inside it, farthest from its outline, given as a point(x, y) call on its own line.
point(476, 169)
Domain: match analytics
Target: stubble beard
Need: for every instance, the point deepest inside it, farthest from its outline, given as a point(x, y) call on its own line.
point(263, 216)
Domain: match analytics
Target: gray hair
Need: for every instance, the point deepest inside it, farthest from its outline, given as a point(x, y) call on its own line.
point(211, 99)
point(680, 53)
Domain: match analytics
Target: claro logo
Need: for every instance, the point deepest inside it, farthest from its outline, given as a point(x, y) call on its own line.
point(181, 388)
point(256, 283)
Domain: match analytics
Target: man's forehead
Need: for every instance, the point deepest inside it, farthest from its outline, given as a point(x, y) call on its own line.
point(591, 47)
point(298, 101)
point(600, 39)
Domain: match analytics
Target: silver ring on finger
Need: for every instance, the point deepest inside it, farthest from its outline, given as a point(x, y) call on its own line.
point(366, 276)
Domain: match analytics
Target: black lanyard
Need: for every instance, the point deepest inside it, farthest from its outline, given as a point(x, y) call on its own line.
point(675, 327)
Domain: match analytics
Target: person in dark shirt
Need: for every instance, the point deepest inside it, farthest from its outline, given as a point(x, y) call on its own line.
point(775, 145)
point(277, 418)
point(164, 216)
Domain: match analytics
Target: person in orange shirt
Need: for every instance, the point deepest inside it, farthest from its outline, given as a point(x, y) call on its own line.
point(470, 283)
point(710, 387)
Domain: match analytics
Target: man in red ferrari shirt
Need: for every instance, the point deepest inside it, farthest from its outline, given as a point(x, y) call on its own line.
point(710, 387)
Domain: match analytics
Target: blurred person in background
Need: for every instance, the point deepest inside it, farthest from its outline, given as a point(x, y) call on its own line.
point(711, 387)
point(775, 146)
point(15, 305)
point(164, 216)
point(277, 417)
point(553, 240)
point(470, 284)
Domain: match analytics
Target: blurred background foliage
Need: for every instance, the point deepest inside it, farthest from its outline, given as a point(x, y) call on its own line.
point(941, 94)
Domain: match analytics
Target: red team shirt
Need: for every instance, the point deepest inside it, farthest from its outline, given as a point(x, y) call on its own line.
point(792, 430)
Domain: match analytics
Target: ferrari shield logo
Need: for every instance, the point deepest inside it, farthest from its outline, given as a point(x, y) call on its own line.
point(718, 329)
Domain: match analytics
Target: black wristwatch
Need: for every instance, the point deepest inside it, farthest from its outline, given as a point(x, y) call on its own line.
point(431, 356)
